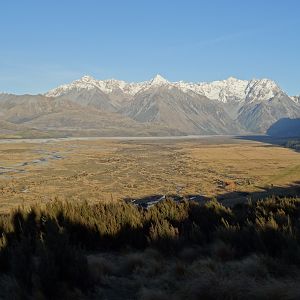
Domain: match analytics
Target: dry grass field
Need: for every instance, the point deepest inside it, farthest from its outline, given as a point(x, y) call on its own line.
point(109, 170)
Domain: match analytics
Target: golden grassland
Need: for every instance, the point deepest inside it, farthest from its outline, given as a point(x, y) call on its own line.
point(106, 170)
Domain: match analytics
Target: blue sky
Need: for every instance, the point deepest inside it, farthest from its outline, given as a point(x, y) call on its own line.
point(47, 43)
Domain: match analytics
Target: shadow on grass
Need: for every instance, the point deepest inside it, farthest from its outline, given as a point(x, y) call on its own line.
point(228, 198)
point(231, 198)
point(267, 139)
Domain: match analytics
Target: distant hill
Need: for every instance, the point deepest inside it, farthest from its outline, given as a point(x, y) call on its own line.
point(285, 128)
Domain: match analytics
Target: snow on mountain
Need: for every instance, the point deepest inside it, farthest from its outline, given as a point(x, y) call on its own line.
point(159, 80)
point(228, 90)
point(234, 90)
point(231, 89)
point(86, 83)
point(261, 90)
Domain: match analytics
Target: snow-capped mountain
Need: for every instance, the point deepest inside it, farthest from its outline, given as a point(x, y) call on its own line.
point(251, 105)
point(106, 86)
point(229, 90)
point(88, 106)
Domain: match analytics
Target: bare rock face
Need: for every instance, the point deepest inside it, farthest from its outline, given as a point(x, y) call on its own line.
point(190, 113)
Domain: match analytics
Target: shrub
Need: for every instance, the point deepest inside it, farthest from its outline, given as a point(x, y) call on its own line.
point(45, 251)
point(163, 234)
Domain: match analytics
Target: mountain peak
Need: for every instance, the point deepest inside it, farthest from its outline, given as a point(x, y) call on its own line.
point(87, 78)
point(159, 80)
point(232, 79)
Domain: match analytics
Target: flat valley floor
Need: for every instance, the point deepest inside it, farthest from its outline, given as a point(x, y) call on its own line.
point(229, 168)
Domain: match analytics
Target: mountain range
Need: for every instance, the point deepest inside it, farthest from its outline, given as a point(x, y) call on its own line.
point(90, 107)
